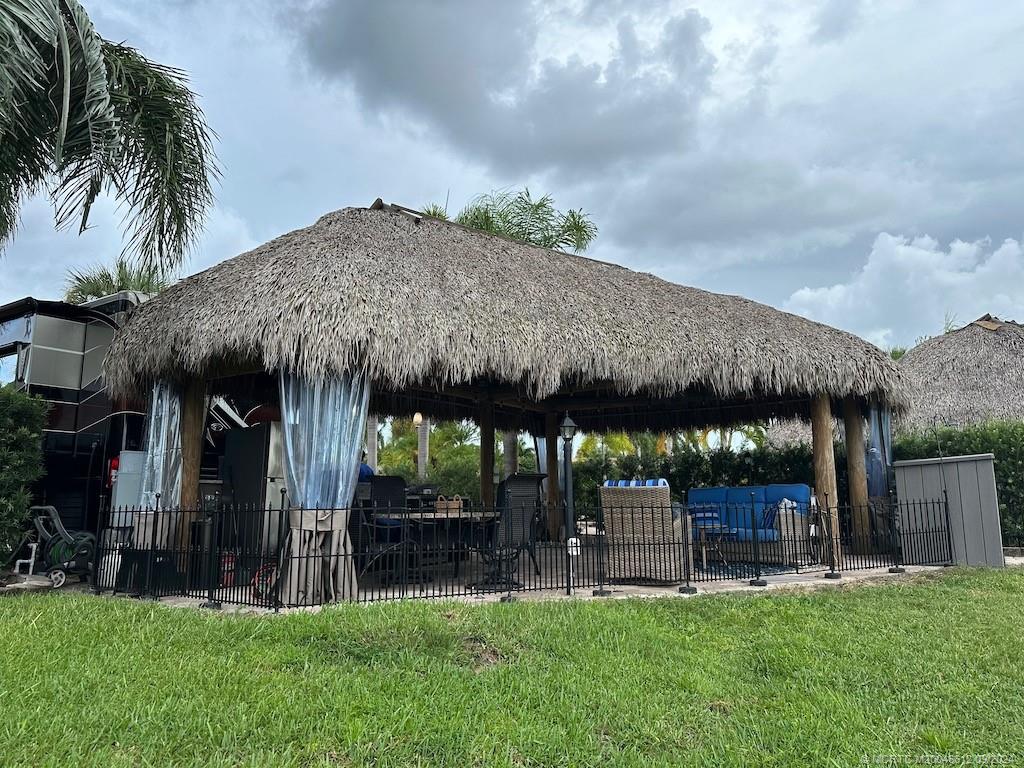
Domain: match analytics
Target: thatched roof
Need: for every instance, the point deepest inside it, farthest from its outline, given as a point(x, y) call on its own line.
point(432, 306)
point(783, 433)
point(966, 376)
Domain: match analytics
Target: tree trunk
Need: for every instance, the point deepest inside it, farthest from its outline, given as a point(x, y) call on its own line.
point(486, 423)
point(193, 421)
point(857, 471)
point(510, 453)
point(423, 448)
point(371, 441)
point(823, 449)
point(554, 491)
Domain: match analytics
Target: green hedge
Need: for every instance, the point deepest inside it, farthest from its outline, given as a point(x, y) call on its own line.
point(21, 461)
point(1003, 439)
point(691, 468)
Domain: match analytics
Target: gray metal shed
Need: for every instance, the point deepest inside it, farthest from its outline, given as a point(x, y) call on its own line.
point(970, 482)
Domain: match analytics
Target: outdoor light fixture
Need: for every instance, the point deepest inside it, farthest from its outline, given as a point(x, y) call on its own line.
point(417, 419)
point(568, 428)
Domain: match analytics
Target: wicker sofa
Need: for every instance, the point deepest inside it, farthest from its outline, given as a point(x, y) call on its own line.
point(647, 541)
point(745, 513)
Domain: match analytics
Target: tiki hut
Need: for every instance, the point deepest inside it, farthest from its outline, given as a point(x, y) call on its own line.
point(455, 323)
point(967, 376)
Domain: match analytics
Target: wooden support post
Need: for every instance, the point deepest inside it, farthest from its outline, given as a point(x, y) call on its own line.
point(857, 473)
point(824, 455)
point(554, 490)
point(193, 421)
point(486, 422)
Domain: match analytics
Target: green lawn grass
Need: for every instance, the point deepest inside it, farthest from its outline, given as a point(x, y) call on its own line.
point(932, 665)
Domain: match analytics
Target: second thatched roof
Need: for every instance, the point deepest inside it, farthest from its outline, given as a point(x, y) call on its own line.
point(428, 303)
point(967, 376)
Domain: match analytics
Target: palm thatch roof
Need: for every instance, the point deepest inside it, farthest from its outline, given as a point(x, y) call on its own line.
point(441, 315)
point(967, 376)
point(784, 433)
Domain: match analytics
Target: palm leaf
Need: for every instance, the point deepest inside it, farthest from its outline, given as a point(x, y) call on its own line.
point(95, 282)
point(165, 160)
point(85, 151)
point(519, 216)
point(576, 230)
point(435, 211)
point(27, 31)
point(22, 69)
point(81, 116)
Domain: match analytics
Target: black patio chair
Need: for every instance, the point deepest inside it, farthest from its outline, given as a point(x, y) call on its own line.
point(524, 490)
point(382, 540)
point(501, 545)
point(383, 544)
point(387, 492)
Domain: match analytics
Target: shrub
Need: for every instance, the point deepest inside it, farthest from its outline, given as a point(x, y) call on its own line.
point(21, 460)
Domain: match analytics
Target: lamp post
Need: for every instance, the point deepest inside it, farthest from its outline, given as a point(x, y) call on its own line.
point(568, 431)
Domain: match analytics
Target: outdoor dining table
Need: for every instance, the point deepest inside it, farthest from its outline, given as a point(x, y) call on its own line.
point(443, 535)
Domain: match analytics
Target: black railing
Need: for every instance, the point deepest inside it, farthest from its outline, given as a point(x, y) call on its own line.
point(273, 558)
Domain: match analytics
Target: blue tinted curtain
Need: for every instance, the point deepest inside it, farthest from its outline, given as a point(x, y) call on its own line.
point(323, 424)
point(879, 457)
point(161, 467)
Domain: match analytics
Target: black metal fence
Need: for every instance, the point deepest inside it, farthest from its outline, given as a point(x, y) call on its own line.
point(274, 558)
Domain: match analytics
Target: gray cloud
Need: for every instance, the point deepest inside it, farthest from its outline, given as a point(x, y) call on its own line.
point(679, 169)
point(469, 71)
point(754, 149)
point(907, 287)
point(835, 20)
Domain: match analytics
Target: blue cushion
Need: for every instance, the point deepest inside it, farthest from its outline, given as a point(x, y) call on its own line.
point(741, 494)
point(706, 514)
point(738, 506)
point(797, 492)
point(706, 495)
point(763, 534)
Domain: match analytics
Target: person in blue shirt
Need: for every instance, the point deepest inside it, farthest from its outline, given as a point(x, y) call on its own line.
point(365, 470)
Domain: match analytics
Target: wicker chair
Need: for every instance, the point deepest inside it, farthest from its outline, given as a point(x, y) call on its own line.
point(646, 544)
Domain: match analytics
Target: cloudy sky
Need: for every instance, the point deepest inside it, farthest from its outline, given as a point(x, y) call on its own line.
point(860, 163)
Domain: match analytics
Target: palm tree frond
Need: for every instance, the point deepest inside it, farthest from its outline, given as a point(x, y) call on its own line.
point(27, 31)
point(81, 115)
point(576, 230)
point(22, 25)
point(86, 147)
point(435, 211)
point(521, 217)
point(95, 282)
point(165, 160)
